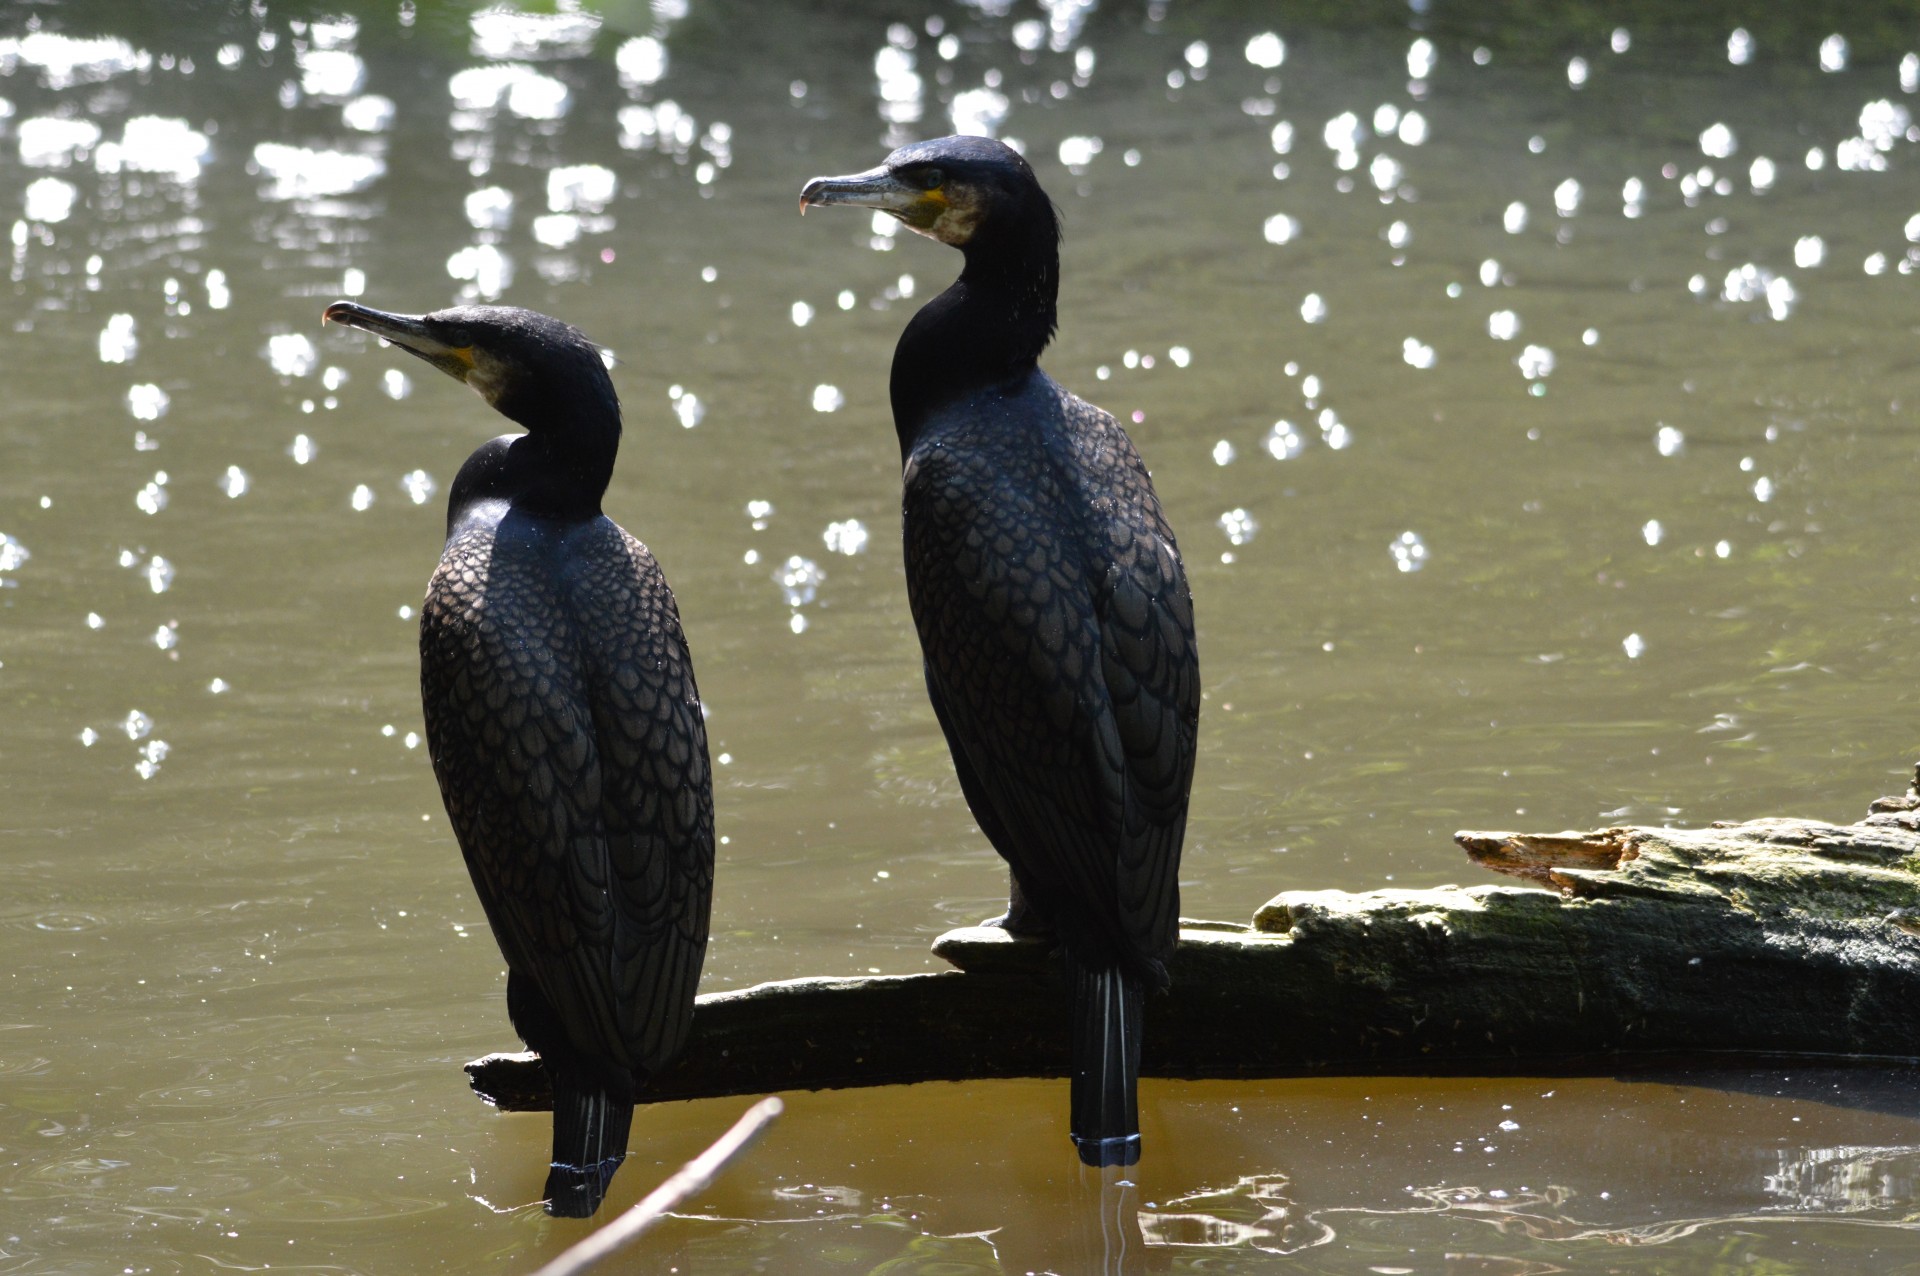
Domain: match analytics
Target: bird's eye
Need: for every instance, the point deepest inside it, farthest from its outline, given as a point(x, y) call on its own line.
point(929, 179)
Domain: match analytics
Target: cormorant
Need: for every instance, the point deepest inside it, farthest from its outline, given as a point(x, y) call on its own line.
point(565, 730)
point(1052, 608)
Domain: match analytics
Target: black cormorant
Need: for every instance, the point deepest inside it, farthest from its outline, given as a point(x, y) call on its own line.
point(565, 730)
point(1052, 607)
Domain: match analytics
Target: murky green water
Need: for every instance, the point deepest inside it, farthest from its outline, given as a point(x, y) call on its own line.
point(1653, 438)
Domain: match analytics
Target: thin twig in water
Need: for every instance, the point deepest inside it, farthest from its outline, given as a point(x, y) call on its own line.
point(687, 1181)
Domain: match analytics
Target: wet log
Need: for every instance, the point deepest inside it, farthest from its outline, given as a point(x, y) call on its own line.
point(1766, 938)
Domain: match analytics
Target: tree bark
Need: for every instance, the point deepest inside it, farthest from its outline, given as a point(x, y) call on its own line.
point(1771, 937)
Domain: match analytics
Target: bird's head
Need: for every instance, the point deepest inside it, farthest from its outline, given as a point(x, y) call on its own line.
point(962, 191)
point(530, 367)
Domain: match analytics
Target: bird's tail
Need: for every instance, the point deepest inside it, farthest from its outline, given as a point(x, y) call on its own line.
point(589, 1142)
point(1105, 1122)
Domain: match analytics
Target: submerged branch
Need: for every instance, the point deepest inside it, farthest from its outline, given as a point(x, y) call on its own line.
point(1775, 936)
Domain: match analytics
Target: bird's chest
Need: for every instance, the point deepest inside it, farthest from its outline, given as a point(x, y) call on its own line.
point(500, 602)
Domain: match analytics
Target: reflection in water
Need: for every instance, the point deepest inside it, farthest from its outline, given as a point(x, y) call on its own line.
point(1254, 1213)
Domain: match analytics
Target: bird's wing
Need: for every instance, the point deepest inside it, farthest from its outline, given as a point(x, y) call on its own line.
point(1150, 667)
point(656, 786)
point(517, 745)
point(1009, 589)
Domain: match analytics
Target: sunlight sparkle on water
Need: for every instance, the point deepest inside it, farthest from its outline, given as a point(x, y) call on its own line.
point(1633, 645)
point(1652, 532)
point(1266, 50)
point(827, 398)
point(13, 555)
point(486, 270)
point(1416, 353)
point(369, 113)
point(303, 173)
point(687, 407)
point(1409, 552)
point(292, 354)
point(330, 74)
point(1078, 152)
point(1283, 441)
point(489, 208)
point(419, 486)
point(1718, 142)
point(147, 402)
point(640, 62)
point(1421, 58)
point(1515, 218)
point(504, 33)
point(1280, 228)
point(234, 482)
point(151, 755)
point(1834, 53)
point(118, 344)
point(50, 141)
point(526, 93)
point(580, 188)
point(799, 580)
point(1238, 525)
point(159, 573)
point(65, 61)
point(979, 112)
point(1535, 362)
point(1503, 325)
point(152, 498)
point(49, 200)
point(1223, 453)
point(846, 537)
point(1313, 309)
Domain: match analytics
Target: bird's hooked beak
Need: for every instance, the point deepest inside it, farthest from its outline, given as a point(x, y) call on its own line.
point(878, 188)
point(413, 333)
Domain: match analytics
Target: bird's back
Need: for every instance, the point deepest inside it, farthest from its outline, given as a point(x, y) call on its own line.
point(1058, 629)
point(566, 733)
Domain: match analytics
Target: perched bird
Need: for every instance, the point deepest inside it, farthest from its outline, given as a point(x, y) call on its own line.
point(1052, 608)
point(565, 730)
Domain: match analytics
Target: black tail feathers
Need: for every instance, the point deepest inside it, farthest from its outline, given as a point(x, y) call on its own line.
point(1107, 1012)
point(589, 1142)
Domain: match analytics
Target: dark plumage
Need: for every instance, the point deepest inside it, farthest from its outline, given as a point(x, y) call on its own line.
point(1052, 607)
point(565, 730)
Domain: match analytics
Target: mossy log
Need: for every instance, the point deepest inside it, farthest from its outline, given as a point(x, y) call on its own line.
point(1771, 937)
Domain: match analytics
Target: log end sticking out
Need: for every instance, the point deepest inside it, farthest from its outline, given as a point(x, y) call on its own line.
point(1538, 856)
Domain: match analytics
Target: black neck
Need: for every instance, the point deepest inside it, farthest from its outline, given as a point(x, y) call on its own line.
point(986, 331)
point(553, 475)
